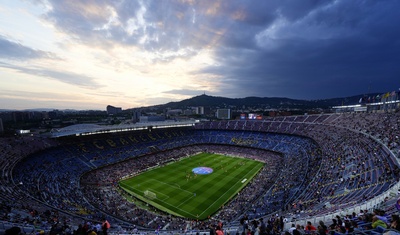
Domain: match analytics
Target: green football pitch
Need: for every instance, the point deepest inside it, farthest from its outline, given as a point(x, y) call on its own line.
point(187, 188)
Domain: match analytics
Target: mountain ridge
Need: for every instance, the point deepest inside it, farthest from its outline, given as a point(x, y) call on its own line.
point(264, 102)
point(219, 101)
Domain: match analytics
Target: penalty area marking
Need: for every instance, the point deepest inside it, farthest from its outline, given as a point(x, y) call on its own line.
point(173, 186)
point(187, 212)
point(176, 207)
point(224, 193)
point(156, 192)
point(187, 199)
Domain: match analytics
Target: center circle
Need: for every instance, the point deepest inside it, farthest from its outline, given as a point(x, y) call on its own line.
point(202, 170)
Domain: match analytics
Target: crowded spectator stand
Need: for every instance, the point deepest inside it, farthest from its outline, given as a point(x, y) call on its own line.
point(318, 167)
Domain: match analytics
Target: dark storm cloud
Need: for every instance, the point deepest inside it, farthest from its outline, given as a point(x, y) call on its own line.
point(300, 49)
point(338, 49)
point(61, 76)
point(14, 50)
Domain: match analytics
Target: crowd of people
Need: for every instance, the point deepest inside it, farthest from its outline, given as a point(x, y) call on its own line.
point(56, 172)
point(375, 221)
point(325, 163)
point(354, 167)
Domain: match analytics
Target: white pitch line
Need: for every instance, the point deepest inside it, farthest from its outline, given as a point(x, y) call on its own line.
point(169, 203)
point(179, 209)
point(172, 185)
point(185, 201)
point(224, 194)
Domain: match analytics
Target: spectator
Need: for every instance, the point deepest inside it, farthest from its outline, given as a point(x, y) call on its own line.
point(263, 228)
point(105, 226)
point(333, 225)
point(298, 230)
point(219, 231)
point(395, 224)
point(310, 228)
point(212, 229)
point(291, 229)
point(322, 229)
point(376, 223)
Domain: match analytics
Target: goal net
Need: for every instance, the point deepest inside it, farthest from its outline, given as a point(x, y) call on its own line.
point(150, 195)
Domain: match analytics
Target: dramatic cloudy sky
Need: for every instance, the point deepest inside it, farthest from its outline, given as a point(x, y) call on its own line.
point(130, 53)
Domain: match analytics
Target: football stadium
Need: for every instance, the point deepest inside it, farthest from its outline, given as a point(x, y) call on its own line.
point(309, 170)
point(199, 117)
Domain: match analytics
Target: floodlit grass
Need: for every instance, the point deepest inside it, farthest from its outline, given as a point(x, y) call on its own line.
point(181, 192)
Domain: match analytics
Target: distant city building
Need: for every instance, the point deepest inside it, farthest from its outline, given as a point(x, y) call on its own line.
point(6, 116)
point(19, 116)
point(173, 112)
point(189, 112)
point(136, 115)
point(223, 114)
point(1, 126)
point(152, 118)
point(208, 111)
point(54, 114)
point(198, 110)
point(111, 110)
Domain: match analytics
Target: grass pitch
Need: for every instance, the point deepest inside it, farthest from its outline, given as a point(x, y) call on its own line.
point(181, 192)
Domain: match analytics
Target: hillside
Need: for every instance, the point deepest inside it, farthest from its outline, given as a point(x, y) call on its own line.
point(258, 102)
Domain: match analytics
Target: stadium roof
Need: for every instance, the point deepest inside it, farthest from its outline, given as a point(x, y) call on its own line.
point(92, 129)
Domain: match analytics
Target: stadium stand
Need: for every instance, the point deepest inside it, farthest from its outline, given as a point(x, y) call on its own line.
point(317, 167)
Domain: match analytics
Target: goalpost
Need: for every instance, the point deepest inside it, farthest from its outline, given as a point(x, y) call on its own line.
point(150, 194)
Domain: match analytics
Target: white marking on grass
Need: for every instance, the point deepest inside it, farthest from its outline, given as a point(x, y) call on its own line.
point(185, 201)
point(225, 193)
point(172, 185)
point(157, 193)
point(127, 186)
point(175, 185)
point(178, 206)
point(180, 209)
point(244, 180)
point(148, 189)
